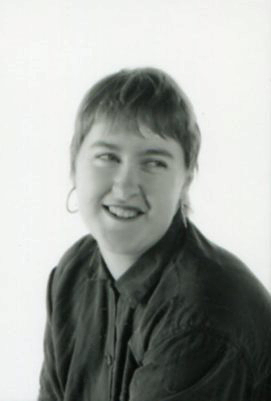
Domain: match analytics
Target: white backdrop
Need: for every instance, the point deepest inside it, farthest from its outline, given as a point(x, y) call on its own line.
point(51, 52)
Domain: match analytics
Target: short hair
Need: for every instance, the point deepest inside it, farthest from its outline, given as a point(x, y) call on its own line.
point(145, 96)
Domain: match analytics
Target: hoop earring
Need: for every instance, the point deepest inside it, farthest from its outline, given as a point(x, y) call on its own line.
point(183, 216)
point(69, 210)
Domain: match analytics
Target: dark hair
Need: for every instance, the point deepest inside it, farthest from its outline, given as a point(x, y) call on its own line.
point(145, 96)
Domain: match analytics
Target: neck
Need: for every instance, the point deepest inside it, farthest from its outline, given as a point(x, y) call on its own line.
point(117, 263)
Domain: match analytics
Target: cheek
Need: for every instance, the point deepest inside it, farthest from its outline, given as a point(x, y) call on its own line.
point(167, 191)
point(92, 184)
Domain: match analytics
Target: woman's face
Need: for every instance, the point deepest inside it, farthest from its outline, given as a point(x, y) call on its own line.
point(129, 186)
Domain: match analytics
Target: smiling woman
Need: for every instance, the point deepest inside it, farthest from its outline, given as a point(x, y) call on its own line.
point(129, 186)
point(144, 307)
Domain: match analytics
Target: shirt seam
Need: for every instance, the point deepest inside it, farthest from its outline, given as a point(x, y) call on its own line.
point(214, 333)
point(258, 383)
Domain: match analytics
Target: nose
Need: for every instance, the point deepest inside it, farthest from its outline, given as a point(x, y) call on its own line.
point(126, 183)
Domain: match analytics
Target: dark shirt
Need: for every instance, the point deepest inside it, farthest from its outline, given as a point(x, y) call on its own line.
point(187, 322)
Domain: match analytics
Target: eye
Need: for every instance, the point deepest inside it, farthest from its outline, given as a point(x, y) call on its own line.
point(107, 157)
point(156, 164)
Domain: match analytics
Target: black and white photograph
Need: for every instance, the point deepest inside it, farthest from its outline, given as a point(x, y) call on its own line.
point(136, 200)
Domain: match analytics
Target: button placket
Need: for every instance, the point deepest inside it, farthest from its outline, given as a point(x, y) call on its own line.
point(112, 338)
point(109, 359)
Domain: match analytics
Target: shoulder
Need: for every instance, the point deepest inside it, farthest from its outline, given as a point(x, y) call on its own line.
point(201, 251)
point(74, 265)
point(223, 293)
point(218, 279)
point(78, 251)
point(219, 275)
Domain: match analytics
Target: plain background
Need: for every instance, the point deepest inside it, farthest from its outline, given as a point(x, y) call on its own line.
point(51, 52)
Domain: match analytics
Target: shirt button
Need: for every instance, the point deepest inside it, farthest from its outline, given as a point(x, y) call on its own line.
point(109, 359)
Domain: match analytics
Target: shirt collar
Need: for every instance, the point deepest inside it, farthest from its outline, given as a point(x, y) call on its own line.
point(142, 276)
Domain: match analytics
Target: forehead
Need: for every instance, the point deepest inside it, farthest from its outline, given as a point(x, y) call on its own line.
point(127, 131)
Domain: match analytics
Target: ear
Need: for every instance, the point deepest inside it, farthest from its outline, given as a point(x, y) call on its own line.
point(72, 178)
point(186, 185)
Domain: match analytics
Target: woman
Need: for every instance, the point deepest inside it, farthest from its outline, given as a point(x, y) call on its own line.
point(145, 308)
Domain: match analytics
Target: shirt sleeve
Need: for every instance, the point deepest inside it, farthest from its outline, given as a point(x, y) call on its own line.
point(196, 366)
point(50, 389)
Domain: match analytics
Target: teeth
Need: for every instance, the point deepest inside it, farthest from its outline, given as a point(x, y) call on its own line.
point(123, 213)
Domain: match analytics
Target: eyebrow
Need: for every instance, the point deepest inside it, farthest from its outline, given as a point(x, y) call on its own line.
point(104, 144)
point(147, 152)
point(158, 152)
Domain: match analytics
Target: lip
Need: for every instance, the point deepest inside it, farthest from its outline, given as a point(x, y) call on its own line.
point(124, 207)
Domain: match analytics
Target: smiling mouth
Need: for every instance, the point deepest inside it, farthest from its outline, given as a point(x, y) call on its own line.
point(123, 213)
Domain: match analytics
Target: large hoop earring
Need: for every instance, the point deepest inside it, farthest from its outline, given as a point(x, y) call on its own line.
point(69, 210)
point(183, 215)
